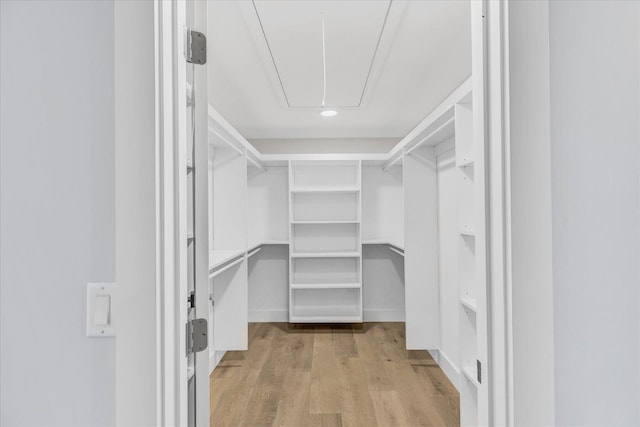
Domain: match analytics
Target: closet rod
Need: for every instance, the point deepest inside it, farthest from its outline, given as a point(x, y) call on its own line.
point(226, 267)
point(256, 162)
point(430, 135)
point(226, 141)
point(392, 161)
point(253, 252)
point(396, 250)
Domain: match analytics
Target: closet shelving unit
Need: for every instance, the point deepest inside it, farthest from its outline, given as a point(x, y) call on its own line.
point(452, 120)
point(467, 260)
point(230, 155)
point(325, 258)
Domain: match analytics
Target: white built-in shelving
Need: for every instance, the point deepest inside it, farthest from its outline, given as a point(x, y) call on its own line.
point(468, 193)
point(325, 257)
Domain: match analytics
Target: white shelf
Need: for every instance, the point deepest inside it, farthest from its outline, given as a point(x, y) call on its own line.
point(325, 319)
point(383, 242)
point(469, 303)
point(219, 257)
point(399, 252)
point(325, 222)
point(254, 251)
point(325, 190)
point(326, 255)
point(253, 246)
point(266, 242)
point(471, 373)
point(326, 286)
point(326, 314)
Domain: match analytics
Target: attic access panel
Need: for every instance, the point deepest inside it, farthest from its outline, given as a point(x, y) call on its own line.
point(293, 34)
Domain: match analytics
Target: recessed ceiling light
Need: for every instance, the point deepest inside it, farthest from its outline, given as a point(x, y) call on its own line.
point(328, 113)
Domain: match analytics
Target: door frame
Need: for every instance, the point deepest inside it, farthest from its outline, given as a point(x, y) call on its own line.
point(150, 264)
point(147, 369)
point(519, 246)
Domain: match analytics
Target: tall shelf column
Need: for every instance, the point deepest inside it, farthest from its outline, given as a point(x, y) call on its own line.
point(325, 258)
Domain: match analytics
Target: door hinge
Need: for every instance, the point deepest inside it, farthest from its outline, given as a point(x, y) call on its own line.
point(196, 51)
point(479, 371)
point(197, 335)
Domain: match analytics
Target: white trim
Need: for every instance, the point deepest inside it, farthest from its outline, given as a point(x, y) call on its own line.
point(137, 302)
point(198, 22)
point(499, 238)
point(383, 315)
point(268, 315)
point(215, 358)
point(449, 369)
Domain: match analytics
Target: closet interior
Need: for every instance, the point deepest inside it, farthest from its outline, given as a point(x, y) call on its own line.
point(351, 238)
point(327, 235)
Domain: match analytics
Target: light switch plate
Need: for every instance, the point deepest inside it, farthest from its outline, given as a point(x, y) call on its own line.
point(100, 309)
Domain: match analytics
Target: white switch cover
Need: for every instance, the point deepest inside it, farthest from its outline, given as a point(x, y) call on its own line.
point(99, 310)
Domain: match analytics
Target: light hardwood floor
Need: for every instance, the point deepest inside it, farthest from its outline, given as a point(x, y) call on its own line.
point(331, 376)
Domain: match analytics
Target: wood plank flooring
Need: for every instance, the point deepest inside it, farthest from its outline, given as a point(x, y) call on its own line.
point(316, 375)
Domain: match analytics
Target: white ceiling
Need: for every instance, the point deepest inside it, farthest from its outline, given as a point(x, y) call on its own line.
point(389, 64)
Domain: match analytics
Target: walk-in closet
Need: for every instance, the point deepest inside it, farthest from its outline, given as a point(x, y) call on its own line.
point(336, 245)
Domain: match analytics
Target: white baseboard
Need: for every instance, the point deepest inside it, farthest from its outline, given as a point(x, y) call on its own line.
point(264, 316)
point(370, 315)
point(383, 315)
point(449, 369)
point(214, 359)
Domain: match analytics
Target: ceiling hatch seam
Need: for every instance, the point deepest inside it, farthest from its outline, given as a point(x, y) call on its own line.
point(270, 53)
point(375, 53)
point(366, 82)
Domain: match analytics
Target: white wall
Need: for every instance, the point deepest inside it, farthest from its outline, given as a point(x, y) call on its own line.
point(269, 284)
point(448, 235)
point(268, 205)
point(382, 284)
point(56, 209)
point(382, 204)
point(595, 75)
